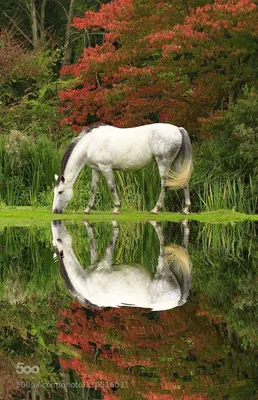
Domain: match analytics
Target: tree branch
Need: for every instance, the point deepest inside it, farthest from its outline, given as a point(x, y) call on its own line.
point(67, 43)
point(66, 13)
point(19, 29)
point(42, 17)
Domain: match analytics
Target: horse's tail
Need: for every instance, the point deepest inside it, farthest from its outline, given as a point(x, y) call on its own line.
point(184, 161)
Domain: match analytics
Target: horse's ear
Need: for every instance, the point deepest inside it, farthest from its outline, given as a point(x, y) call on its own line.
point(56, 177)
point(62, 178)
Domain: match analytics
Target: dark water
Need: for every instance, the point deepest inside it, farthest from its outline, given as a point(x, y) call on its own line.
point(189, 330)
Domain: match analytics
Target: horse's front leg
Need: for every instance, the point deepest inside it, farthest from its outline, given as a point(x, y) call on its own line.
point(110, 249)
point(93, 248)
point(109, 176)
point(94, 187)
point(106, 262)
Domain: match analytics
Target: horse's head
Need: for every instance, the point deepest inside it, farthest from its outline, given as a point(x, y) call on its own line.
point(61, 238)
point(63, 193)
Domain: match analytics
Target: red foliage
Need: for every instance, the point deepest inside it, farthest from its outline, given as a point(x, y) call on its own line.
point(161, 63)
point(14, 58)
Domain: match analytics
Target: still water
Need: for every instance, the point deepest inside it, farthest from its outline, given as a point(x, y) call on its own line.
point(129, 311)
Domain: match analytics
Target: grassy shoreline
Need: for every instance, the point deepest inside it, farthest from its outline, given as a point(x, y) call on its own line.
point(25, 216)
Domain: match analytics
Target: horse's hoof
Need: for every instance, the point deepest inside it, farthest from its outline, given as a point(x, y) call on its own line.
point(87, 211)
point(116, 211)
point(185, 212)
point(153, 223)
point(154, 211)
point(86, 223)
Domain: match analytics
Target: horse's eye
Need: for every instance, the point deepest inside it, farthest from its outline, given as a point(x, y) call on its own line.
point(61, 191)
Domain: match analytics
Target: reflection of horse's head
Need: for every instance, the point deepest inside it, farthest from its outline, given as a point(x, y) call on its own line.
point(68, 263)
point(108, 285)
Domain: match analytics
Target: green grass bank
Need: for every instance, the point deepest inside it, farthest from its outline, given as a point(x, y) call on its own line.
point(26, 216)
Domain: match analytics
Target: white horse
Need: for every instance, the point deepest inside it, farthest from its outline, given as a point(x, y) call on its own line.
point(106, 285)
point(106, 148)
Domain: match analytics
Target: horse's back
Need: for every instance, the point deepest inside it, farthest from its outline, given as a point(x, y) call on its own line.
point(131, 285)
point(123, 284)
point(131, 148)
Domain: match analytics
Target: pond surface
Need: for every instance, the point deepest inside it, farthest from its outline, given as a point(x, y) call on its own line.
point(129, 311)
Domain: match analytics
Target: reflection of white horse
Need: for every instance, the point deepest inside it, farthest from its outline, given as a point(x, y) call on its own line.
point(107, 285)
point(106, 148)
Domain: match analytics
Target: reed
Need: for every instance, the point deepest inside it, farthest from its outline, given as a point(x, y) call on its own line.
point(229, 193)
point(27, 168)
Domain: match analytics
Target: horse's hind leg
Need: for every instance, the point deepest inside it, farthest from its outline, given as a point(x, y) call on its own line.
point(186, 210)
point(164, 167)
point(186, 233)
point(94, 187)
point(109, 175)
point(159, 232)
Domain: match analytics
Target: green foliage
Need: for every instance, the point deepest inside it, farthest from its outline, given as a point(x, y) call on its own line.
point(29, 94)
point(225, 170)
point(26, 177)
point(232, 145)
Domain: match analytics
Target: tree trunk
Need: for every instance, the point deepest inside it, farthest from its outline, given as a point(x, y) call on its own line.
point(42, 18)
point(34, 23)
point(67, 47)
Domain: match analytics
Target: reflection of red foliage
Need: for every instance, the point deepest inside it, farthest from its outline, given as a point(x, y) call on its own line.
point(155, 355)
point(175, 65)
point(151, 396)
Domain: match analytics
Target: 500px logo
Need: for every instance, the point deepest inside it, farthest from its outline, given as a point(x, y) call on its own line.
point(26, 369)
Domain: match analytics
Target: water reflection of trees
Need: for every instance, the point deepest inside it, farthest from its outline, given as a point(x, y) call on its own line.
point(200, 349)
point(225, 258)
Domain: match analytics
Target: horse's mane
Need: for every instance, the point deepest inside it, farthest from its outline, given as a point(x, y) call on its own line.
point(67, 281)
point(70, 148)
point(60, 256)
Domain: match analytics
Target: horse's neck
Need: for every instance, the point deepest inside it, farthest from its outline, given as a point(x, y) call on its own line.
point(76, 162)
point(75, 273)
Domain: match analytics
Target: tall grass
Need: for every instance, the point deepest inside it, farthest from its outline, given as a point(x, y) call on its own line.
point(27, 169)
point(231, 193)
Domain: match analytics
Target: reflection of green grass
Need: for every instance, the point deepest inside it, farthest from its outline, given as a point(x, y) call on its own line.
point(25, 216)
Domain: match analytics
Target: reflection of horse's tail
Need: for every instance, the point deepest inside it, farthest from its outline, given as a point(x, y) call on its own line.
point(184, 161)
point(180, 256)
point(180, 264)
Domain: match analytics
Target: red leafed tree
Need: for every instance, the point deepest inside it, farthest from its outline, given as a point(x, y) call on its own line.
point(162, 62)
point(165, 355)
